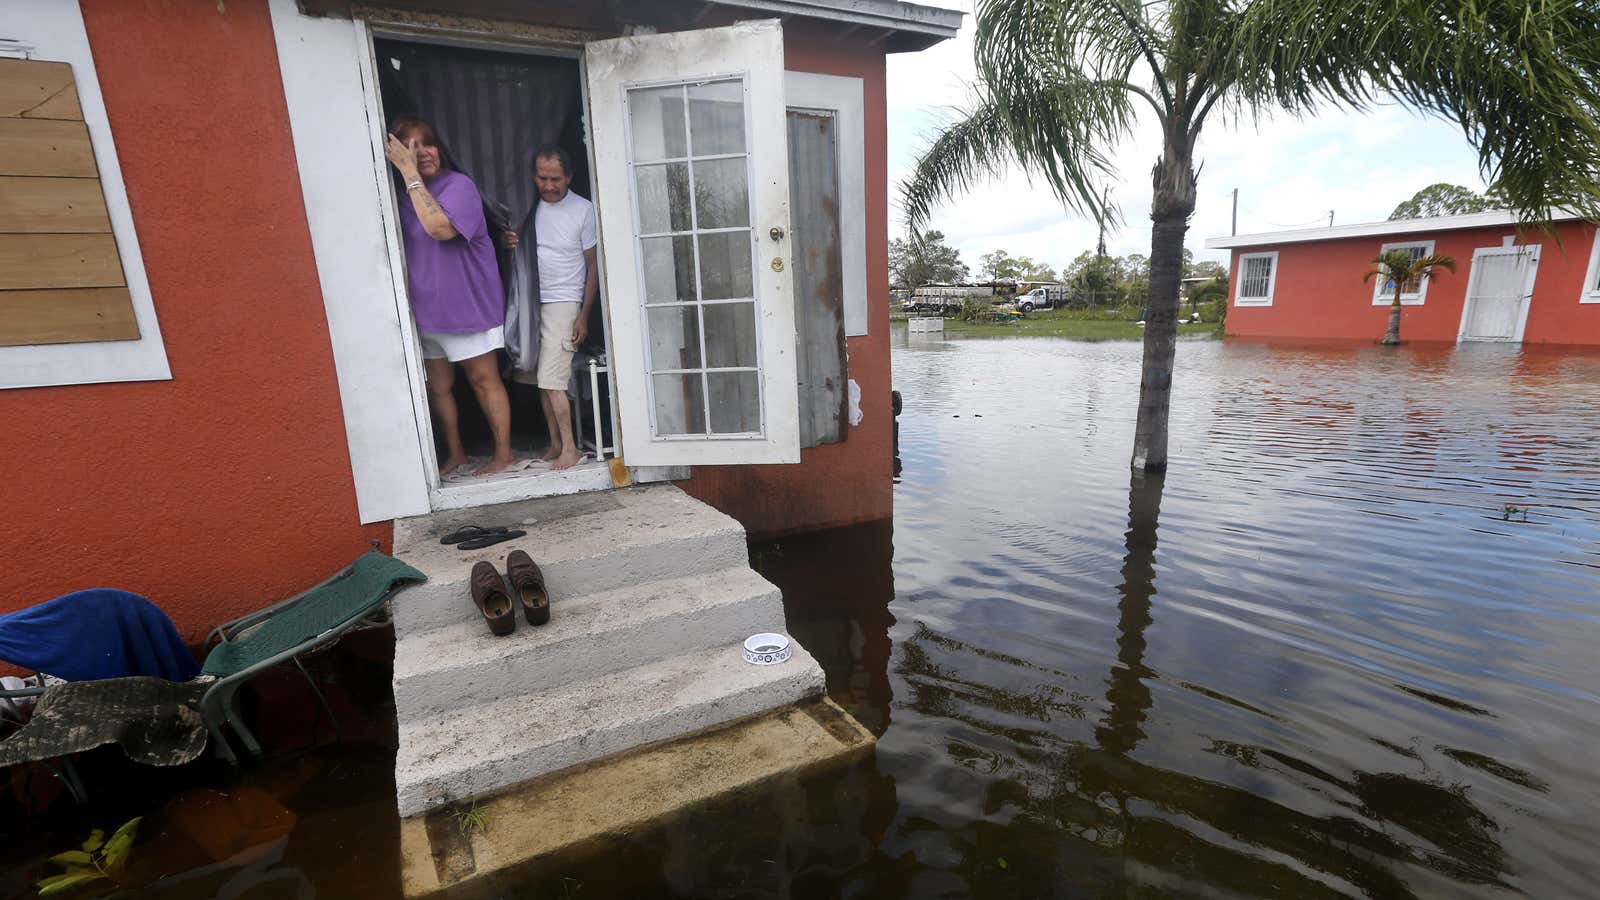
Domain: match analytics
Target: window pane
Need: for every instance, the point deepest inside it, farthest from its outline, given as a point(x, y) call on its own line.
point(725, 265)
point(663, 193)
point(730, 335)
point(668, 274)
point(655, 116)
point(1256, 276)
point(680, 404)
point(721, 196)
point(716, 117)
point(735, 402)
point(673, 333)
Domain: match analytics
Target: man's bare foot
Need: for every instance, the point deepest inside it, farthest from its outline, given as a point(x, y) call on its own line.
point(553, 454)
point(452, 465)
point(497, 464)
point(566, 460)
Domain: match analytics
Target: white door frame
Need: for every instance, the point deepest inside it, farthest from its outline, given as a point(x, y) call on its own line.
point(1532, 250)
point(441, 495)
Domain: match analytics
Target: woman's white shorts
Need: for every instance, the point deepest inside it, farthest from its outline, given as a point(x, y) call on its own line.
point(457, 347)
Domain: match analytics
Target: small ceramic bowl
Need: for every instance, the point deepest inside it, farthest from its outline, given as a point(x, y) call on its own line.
point(766, 649)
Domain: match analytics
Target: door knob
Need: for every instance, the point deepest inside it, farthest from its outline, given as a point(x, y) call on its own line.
point(776, 233)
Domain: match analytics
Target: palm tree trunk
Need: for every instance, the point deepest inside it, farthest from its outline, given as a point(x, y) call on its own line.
point(1392, 335)
point(1171, 206)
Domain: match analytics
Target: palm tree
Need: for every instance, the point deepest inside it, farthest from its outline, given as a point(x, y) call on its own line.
point(1399, 267)
point(1063, 82)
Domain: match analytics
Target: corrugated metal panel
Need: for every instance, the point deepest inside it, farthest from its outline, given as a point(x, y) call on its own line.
point(818, 277)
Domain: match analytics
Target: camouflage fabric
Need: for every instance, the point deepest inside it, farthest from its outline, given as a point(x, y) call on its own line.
point(156, 722)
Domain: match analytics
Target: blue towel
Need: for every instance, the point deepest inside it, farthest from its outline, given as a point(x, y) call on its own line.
point(98, 633)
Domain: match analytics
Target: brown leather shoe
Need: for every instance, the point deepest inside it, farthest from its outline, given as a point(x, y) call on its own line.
point(489, 593)
point(527, 582)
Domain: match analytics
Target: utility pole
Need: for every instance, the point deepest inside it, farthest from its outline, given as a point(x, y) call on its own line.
point(1330, 218)
point(1100, 248)
point(1235, 228)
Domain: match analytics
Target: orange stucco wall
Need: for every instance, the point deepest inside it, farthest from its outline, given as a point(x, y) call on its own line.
point(228, 486)
point(1319, 292)
point(852, 481)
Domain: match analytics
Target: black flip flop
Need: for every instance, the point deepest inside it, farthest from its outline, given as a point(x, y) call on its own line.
point(489, 540)
point(471, 532)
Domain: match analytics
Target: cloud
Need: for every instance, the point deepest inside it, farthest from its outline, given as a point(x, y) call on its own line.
point(1289, 171)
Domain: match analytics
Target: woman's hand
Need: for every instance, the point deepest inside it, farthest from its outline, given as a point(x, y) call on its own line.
point(402, 157)
point(508, 240)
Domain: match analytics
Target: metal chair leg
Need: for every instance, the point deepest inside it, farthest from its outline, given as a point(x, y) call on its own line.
point(321, 699)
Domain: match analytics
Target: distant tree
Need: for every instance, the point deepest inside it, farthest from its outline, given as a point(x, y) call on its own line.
point(1094, 280)
point(1038, 271)
point(1443, 199)
point(1399, 267)
point(913, 264)
point(1002, 266)
point(1206, 268)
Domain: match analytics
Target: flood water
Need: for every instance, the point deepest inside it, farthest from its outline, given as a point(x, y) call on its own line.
point(1346, 647)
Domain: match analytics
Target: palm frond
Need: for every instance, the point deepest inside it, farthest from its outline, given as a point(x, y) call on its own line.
point(1057, 133)
point(1520, 77)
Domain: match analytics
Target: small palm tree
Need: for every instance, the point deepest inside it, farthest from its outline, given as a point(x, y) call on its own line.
point(1400, 267)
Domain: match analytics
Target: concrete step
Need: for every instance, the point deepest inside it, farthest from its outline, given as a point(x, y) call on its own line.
point(446, 668)
point(481, 749)
point(584, 544)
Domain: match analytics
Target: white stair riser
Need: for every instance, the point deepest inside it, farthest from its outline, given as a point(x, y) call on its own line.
point(511, 765)
point(583, 657)
point(436, 604)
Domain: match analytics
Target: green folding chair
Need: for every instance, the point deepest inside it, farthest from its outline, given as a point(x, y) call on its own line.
point(239, 650)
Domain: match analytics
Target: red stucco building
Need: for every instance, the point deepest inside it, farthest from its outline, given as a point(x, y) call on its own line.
point(1535, 287)
point(234, 408)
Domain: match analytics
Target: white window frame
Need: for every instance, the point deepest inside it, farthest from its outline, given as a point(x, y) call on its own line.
point(842, 95)
point(53, 30)
point(1272, 280)
point(1383, 297)
point(1591, 279)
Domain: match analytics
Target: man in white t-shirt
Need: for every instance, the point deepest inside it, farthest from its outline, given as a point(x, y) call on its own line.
point(568, 284)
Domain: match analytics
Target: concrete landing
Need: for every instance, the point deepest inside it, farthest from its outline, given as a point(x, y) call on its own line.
point(615, 795)
point(651, 597)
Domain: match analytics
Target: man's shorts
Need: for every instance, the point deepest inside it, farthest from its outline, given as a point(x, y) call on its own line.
point(457, 347)
point(555, 343)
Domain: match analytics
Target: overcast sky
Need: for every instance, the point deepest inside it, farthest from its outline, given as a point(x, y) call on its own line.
point(1289, 172)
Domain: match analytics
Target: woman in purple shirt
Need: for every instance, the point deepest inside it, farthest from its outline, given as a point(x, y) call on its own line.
point(456, 295)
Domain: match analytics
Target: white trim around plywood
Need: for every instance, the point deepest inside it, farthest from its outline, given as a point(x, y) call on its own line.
point(327, 85)
point(53, 30)
point(1381, 296)
point(843, 96)
point(1532, 250)
point(1591, 279)
point(1272, 280)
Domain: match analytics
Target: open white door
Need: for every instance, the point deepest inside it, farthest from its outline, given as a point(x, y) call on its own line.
point(692, 180)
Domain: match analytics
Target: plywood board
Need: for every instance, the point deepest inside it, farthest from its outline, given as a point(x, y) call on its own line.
point(67, 316)
point(52, 206)
point(49, 147)
point(818, 277)
point(29, 261)
point(35, 89)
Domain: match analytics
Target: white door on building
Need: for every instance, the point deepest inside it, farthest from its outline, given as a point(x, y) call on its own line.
point(691, 181)
point(1499, 292)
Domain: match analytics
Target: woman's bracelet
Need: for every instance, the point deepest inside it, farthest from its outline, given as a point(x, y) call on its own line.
point(413, 186)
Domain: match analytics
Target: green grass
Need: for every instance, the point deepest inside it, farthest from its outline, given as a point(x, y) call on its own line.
point(1073, 325)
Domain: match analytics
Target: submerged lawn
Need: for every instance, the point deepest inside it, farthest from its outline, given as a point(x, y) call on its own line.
point(1061, 323)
